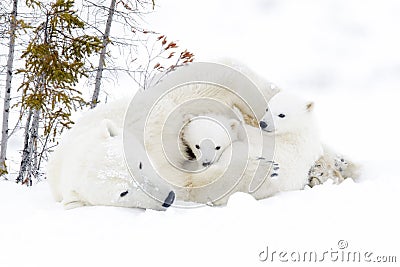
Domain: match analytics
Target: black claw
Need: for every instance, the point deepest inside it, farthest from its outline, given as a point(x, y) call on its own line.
point(124, 193)
point(276, 168)
point(140, 165)
point(274, 174)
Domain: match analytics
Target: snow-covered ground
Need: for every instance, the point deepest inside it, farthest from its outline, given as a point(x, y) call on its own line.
point(344, 54)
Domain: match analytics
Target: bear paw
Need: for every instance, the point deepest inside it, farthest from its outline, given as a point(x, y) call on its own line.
point(313, 181)
point(340, 164)
point(275, 170)
point(274, 166)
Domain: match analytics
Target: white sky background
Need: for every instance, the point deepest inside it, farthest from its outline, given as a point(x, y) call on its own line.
point(308, 44)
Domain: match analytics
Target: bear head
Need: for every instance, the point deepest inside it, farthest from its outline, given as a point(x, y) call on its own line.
point(287, 114)
point(207, 137)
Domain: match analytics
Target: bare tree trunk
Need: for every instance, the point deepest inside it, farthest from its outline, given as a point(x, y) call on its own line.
point(29, 162)
point(7, 95)
point(33, 144)
point(99, 73)
point(26, 151)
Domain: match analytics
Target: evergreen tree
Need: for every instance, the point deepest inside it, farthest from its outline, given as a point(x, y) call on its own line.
point(55, 59)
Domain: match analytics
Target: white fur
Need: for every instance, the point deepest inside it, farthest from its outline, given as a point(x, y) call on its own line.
point(231, 171)
point(209, 136)
point(169, 113)
point(295, 145)
point(88, 166)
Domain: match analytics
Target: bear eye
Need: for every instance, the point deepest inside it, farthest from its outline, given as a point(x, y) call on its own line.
point(281, 115)
point(124, 193)
point(217, 148)
point(197, 146)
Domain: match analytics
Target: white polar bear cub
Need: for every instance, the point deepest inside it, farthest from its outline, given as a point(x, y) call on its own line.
point(224, 155)
point(290, 122)
point(202, 141)
point(207, 137)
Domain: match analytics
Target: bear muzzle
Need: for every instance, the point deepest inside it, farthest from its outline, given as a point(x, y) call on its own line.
point(206, 163)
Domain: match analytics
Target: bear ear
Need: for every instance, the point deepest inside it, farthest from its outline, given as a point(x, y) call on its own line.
point(310, 106)
point(109, 129)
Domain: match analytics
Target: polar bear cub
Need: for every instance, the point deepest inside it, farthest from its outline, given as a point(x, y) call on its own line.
point(206, 137)
point(203, 140)
point(224, 154)
point(290, 122)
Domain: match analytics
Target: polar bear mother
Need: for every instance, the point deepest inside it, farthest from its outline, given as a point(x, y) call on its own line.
point(88, 166)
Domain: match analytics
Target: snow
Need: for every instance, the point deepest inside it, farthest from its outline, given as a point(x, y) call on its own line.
point(343, 55)
point(35, 231)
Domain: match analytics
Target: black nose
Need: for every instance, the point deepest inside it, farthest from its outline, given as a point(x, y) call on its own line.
point(207, 163)
point(169, 200)
point(263, 124)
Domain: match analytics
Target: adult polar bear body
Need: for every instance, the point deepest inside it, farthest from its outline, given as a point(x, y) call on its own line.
point(88, 166)
point(168, 115)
